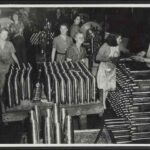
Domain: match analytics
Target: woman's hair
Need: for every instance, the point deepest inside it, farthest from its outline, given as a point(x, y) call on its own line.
point(63, 24)
point(4, 29)
point(78, 33)
point(75, 16)
point(111, 40)
point(15, 13)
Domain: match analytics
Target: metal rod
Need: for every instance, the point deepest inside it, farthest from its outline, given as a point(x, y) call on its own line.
point(69, 130)
point(58, 133)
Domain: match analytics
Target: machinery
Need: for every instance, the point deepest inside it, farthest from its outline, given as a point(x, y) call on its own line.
point(42, 40)
point(130, 102)
point(69, 83)
point(94, 36)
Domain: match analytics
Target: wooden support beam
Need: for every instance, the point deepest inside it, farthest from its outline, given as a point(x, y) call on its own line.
point(84, 109)
point(21, 111)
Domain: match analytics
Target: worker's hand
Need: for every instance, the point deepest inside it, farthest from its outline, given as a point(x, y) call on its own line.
point(18, 66)
point(68, 59)
point(83, 60)
point(138, 58)
point(142, 53)
point(116, 55)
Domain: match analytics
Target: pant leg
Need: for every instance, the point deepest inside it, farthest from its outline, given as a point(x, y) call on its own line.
point(2, 82)
point(105, 93)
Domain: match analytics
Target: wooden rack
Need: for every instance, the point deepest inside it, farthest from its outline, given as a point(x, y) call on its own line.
point(20, 112)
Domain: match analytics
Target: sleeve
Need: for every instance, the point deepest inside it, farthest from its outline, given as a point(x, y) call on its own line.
point(22, 25)
point(103, 53)
point(71, 42)
point(54, 43)
point(69, 53)
point(12, 28)
point(84, 55)
point(72, 32)
point(11, 48)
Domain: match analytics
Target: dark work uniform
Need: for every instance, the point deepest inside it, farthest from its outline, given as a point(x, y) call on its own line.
point(19, 44)
point(74, 54)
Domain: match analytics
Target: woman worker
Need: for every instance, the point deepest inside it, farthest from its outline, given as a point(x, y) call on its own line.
point(7, 56)
point(107, 55)
point(77, 52)
point(18, 40)
point(17, 25)
point(143, 56)
point(76, 26)
point(61, 43)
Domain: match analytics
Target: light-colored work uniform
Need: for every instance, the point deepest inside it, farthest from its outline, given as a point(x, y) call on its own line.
point(106, 75)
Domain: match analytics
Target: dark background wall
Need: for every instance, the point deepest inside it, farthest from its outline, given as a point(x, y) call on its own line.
point(133, 23)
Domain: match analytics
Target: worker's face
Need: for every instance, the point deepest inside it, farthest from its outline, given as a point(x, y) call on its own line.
point(4, 35)
point(15, 17)
point(77, 20)
point(63, 30)
point(79, 38)
point(58, 10)
point(119, 39)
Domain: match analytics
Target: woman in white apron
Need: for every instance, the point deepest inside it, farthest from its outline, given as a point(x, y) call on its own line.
point(107, 55)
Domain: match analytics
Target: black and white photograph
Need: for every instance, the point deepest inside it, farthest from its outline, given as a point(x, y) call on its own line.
point(75, 75)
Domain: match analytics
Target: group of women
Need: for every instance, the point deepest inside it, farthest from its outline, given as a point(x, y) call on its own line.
point(108, 55)
point(69, 47)
point(12, 48)
point(66, 47)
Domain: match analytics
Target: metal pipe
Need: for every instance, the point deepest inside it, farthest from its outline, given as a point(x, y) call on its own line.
point(48, 126)
point(58, 132)
point(34, 128)
point(56, 114)
point(69, 130)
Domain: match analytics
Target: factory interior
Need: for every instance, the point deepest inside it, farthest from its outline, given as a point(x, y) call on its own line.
point(74, 75)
